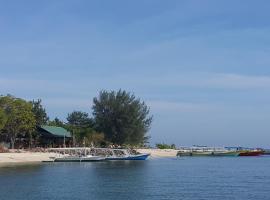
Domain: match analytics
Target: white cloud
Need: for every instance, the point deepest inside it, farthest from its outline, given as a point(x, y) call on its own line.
point(235, 81)
point(86, 87)
point(210, 80)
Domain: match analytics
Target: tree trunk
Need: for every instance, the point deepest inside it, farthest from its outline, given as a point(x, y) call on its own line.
point(12, 141)
point(30, 141)
point(73, 138)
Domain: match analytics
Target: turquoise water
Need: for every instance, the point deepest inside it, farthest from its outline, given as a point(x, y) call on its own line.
point(241, 178)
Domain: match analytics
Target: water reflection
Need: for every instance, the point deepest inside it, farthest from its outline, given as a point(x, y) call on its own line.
point(19, 168)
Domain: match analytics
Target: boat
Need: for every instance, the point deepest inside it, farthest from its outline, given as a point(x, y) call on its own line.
point(226, 153)
point(90, 158)
point(194, 153)
point(250, 153)
point(184, 153)
point(201, 153)
point(141, 156)
point(266, 152)
point(70, 158)
point(96, 154)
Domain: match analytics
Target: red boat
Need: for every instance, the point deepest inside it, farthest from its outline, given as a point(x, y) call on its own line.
point(251, 153)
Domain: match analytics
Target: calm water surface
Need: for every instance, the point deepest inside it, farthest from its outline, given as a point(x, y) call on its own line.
point(184, 178)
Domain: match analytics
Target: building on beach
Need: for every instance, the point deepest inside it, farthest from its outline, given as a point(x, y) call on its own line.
point(45, 136)
point(53, 136)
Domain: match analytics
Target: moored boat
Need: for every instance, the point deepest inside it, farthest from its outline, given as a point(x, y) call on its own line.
point(251, 153)
point(95, 154)
point(201, 153)
point(226, 153)
point(184, 153)
point(266, 152)
point(142, 156)
point(88, 158)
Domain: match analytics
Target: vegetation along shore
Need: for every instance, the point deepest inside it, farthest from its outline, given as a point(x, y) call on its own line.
point(118, 119)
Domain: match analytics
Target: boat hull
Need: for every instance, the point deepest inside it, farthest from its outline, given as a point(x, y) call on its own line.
point(229, 154)
point(184, 154)
point(251, 153)
point(201, 154)
point(79, 159)
point(131, 157)
point(266, 152)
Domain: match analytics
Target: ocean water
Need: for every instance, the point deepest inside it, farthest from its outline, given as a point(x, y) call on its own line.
point(190, 178)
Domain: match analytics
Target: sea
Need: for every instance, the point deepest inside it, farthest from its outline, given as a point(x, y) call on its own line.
point(185, 178)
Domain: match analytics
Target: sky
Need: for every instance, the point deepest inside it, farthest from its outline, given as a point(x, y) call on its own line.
point(203, 67)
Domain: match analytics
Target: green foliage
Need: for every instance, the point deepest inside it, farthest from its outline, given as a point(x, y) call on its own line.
point(88, 137)
point(20, 118)
point(39, 112)
point(80, 125)
point(95, 139)
point(79, 119)
point(3, 119)
point(165, 146)
point(119, 118)
point(122, 117)
point(57, 122)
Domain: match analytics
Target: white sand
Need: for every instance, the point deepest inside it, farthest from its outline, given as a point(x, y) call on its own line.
point(24, 157)
point(159, 153)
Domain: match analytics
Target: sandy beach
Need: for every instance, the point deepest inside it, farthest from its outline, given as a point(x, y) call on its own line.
point(159, 153)
point(29, 157)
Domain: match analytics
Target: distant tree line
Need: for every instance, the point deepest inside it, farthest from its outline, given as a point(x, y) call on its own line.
point(118, 117)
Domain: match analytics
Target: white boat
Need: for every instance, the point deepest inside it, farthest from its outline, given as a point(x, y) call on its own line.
point(70, 158)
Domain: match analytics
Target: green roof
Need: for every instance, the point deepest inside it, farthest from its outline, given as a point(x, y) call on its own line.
point(57, 131)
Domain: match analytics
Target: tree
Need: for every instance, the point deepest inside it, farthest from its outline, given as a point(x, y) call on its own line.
point(3, 119)
point(57, 122)
point(39, 112)
point(20, 118)
point(80, 124)
point(93, 138)
point(79, 119)
point(122, 117)
point(165, 146)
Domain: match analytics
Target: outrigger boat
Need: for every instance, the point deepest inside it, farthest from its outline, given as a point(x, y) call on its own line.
point(226, 153)
point(246, 151)
point(142, 156)
point(122, 154)
point(266, 152)
point(251, 153)
point(201, 153)
point(88, 158)
point(206, 151)
point(95, 154)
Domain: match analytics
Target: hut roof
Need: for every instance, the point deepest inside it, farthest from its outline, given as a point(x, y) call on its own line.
point(56, 131)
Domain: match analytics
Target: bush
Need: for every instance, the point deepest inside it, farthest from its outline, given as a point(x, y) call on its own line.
point(3, 149)
point(165, 146)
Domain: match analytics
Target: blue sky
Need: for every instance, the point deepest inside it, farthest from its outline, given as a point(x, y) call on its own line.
point(202, 66)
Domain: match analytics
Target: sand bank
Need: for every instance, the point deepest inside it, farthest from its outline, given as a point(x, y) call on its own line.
point(24, 157)
point(159, 153)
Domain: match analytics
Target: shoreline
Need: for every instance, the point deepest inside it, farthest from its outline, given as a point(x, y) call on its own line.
point(159, 153)
point(7, 159)
point(25, 157)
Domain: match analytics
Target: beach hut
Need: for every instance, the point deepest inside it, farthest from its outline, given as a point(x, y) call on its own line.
point(54, 136)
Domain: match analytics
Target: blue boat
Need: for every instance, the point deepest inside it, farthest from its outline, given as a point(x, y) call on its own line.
point(142, 156)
